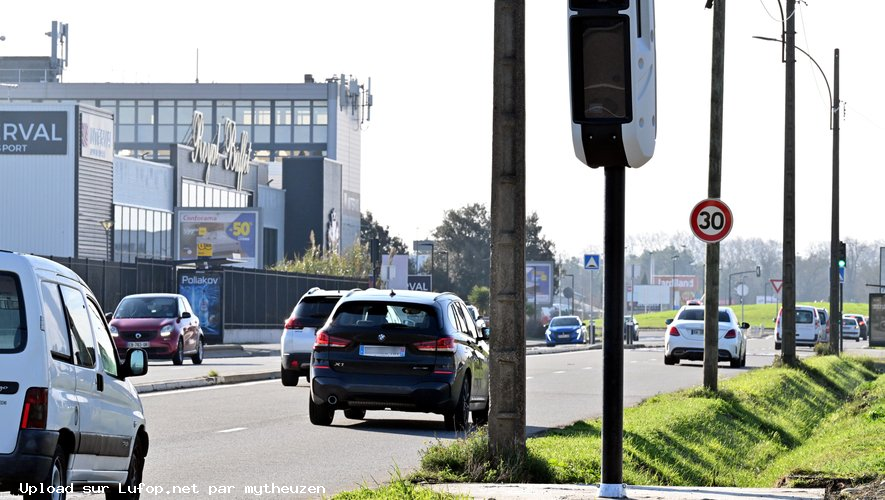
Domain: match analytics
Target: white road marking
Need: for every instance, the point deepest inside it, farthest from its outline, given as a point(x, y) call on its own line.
point(235, 429)
point(588, 367)
point(529, 378)
point(207, 388)
point(560, 371)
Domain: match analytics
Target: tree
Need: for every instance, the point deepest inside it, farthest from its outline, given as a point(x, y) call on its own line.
point(537, 247)
point(465, 234)
point(479, 297)
point(371, 229)
point(353, 262)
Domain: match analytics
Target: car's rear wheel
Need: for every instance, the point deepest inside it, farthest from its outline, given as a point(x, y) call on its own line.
point(481, 417)
point(355, 413)
point(777, 346)
point(197, 358)
point(735, 362)
point(289, 377)
point(178, 355)
point(458, 419)
point(55, 480)
point(320, 414)
point(130, 490)
point(671, 360)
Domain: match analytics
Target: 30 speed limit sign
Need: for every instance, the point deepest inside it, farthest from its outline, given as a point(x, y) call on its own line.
point(711, 220)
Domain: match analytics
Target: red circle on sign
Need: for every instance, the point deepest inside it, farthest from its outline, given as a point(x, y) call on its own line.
point(711, 220)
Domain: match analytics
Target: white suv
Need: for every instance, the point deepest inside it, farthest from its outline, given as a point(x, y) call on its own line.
point(69, 419)
point(809, 328)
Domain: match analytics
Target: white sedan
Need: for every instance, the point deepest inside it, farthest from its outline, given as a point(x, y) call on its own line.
point(684, 338)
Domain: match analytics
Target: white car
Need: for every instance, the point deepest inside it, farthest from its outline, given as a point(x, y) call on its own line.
point(850, 329)
point(68, 414)
point(684, 338)
point(299, 332)
point(809, 328)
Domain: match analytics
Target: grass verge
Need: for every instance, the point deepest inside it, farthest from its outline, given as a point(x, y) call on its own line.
point(825, 417)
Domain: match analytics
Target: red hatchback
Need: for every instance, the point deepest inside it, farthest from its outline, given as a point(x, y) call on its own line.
point(163, 324)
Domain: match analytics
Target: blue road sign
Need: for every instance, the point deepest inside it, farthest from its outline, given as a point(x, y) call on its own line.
point(841, 275)
point(591, 261)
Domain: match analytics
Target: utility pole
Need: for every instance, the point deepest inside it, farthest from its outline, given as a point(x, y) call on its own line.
point(507, 360)
point(835, 303)
point(788, 320)
point(714, 185)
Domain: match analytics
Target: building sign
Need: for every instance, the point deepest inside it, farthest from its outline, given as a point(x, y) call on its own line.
point(333, 233)
point(33, 132)
point(420, 282)
point(539, 283)
point(96, 137)
point(687, 282)
point(219, 233)
point(203, 290)
point(229, 155)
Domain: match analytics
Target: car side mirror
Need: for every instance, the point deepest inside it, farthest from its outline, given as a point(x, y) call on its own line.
point(136, 363)
point(745, 325)
point(669, 320)
point(484, 333)
point(109, 316)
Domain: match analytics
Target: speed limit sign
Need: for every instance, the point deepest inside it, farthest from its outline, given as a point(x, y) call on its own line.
point(711, 220)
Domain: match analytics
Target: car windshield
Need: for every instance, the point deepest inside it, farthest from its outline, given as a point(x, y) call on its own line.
point(373, 314)
point(698, 315)
point(849, 322)
point(147, 307)
point(12, 315)
point(565, 322)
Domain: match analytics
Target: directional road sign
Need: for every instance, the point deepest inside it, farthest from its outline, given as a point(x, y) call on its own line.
point(591, 261)
point(711, 220)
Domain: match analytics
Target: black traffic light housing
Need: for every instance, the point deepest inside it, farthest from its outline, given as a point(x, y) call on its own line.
point(613, 81)
point(842, 254)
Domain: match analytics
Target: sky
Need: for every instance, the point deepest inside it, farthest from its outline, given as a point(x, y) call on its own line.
point(427, 148)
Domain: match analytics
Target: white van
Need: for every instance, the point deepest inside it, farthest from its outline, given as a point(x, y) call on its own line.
point(69, 419)
point(809, 329)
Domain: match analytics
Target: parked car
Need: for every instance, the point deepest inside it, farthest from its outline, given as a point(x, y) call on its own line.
point(400, 350)
point(861, 322)
point(684, 338)
point(67, 411)
point(808, 327)
point(850, 329)
point(163, 324)
point(299, 332)
point(631, 326)
point(565, 330)
point(474, 313)
point(824, 316)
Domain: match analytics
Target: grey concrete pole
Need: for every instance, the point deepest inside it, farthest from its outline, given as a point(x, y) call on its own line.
point(788, 321)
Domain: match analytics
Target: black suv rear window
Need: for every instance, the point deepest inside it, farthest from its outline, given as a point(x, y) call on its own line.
point(374, 314)
point(13, 326)
point(698, 315)
point(313, 311)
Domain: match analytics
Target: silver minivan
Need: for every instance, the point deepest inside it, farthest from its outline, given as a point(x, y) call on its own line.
point(69, 418)
point(809, 330)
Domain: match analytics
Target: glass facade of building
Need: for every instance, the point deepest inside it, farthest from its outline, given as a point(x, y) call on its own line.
point(141, 232)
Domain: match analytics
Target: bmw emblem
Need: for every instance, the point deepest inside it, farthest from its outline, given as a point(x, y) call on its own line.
point(381, 337)
point(138, 335)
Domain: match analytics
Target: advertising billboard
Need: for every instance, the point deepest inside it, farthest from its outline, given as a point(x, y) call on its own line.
point(96, 137)
point(227, 233)
point(204, 290)
point(876, 322)
point(539, 283)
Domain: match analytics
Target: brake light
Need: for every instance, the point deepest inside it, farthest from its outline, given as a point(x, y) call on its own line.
point(325, 340)
point(35, 408)
point(731, 334)
point(672, 331)
point(293, 322)
point(443, 344)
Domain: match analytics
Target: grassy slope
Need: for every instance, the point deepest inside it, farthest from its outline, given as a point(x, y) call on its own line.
point(759, 427)
point(754, 314)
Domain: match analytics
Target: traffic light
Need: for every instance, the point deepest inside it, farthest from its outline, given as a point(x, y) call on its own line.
point(758, 270)
point(613, 81)
point(842, 259)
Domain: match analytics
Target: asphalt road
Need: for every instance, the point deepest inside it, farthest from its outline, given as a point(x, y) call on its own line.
point(214, 442)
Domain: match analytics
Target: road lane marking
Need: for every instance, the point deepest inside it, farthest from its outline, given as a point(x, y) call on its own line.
point(235, 429)
point(560, 371)
point(588, 367)
point(207, 388)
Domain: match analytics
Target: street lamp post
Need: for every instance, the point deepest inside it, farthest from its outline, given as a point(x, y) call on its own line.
point(108, 225)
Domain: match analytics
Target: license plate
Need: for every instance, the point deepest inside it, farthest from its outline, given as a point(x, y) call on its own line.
point(564, 335)
point(137, 345)
point(696, 331)
point(383, 351)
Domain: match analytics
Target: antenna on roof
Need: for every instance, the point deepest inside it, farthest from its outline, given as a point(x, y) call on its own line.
point(198, 66)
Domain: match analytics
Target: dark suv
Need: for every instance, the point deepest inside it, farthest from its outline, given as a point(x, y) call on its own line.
point(299, 332)
point(400, 350)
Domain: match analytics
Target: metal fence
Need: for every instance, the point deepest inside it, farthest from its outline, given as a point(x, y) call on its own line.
point(253, 298)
